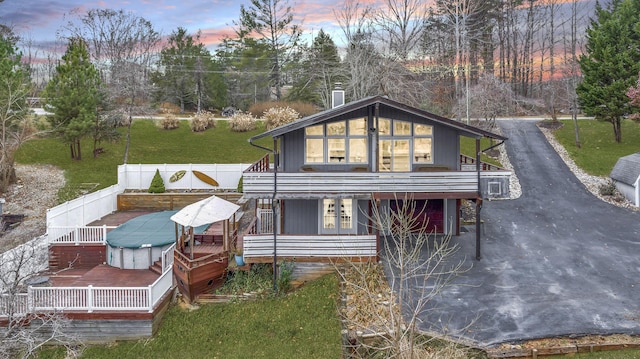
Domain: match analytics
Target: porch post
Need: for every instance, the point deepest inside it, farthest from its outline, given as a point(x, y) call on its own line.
point(478, 201)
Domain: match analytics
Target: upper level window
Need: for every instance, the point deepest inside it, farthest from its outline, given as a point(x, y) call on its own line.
point(337, 142)
point(402, 144)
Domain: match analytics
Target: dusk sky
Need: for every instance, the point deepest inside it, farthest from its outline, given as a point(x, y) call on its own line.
point(39, 20)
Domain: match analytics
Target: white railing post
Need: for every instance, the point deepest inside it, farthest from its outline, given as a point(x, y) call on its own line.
point(76, 234)
point(90, 298)
point(150, 297)
point(104, 234)
point(30, 302)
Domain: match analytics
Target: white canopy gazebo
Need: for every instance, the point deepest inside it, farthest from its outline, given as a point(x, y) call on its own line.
point(207, 211)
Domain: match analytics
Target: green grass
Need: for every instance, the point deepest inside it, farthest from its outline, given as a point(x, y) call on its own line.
point(468, 147)
point(599, 151)
point(149, 144)
point(303, 324)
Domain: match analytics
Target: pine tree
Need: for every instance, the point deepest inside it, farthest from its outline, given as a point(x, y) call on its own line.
point(189, 76)
point(611, 63)
point(72, 96)
point(318, 73)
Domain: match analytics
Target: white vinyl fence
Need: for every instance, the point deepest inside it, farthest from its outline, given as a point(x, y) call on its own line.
point(84, 209)
point(93, 206)
point(138, 177)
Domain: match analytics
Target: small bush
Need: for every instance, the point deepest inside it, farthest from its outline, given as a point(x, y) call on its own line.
point(240, 185)
point(285, 276)
point(202, 121)
point(304, 109)
point(278, 116)
point(157, 183)
point(242, 122)
point(169, 122)
point(607, 189)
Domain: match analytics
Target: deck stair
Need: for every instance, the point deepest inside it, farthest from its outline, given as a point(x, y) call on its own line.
point(156, 267)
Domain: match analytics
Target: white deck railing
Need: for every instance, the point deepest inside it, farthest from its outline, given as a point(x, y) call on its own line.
point(78, 234)
point(90, 298)
point(167, 258)
point(265, 220)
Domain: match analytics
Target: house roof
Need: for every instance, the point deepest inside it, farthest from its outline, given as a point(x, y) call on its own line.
point(627, 169)
point(466, 130)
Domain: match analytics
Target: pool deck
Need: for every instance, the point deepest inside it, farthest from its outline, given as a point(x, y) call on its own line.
point(103, 276)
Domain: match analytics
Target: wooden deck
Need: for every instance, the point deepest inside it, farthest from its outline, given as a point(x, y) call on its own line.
point(103, 276)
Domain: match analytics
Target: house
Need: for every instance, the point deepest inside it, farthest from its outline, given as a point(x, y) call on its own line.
point(332, 167)
point(626, 176)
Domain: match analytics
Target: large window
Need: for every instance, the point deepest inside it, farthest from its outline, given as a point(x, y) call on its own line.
point(337, 142)
point(403, 144)
point(337, 215)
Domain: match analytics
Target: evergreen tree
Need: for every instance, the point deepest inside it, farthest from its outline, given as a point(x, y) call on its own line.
point(272, 23)
point(73, 95)
point(189, 76)
point(611, 62)
point(247, 80)
point(319, 72)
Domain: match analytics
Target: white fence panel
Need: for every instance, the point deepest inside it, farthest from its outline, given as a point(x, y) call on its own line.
point(160, 287)
point(138, 177)
point(84, 209)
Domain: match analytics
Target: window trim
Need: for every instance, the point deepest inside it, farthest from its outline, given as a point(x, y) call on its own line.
point(411, 137)
point(347, 137)
point(338, 229)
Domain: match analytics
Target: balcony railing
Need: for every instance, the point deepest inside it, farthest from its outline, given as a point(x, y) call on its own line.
point(261, 184)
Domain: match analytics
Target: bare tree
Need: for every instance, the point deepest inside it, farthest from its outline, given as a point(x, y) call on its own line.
point(367, 70)
point(382, 313)
point(27, 331)
point(401, 23)
point(122, 45)
point(489, 99)
point(15, 123)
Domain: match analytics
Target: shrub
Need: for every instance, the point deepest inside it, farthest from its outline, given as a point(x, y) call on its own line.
point(304, 109)
point(169, 122)
point(607, 189)
point(278, 116)
point(202, 121)
point(240, 185)
point(242, 122)
point(157, 183)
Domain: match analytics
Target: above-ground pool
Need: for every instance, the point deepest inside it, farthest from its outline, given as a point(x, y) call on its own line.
point(140, 241)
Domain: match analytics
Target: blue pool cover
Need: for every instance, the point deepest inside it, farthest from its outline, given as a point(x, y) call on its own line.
point(153, 229)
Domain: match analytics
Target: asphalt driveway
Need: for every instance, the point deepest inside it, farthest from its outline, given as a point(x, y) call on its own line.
point(555, 262)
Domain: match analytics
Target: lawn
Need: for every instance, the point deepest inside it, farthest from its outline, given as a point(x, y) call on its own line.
point(149, 144)
point(599, 151)
point(302, 324)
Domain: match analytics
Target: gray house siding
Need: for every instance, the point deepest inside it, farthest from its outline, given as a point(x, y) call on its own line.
point(445, 144)
point(301, 216)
